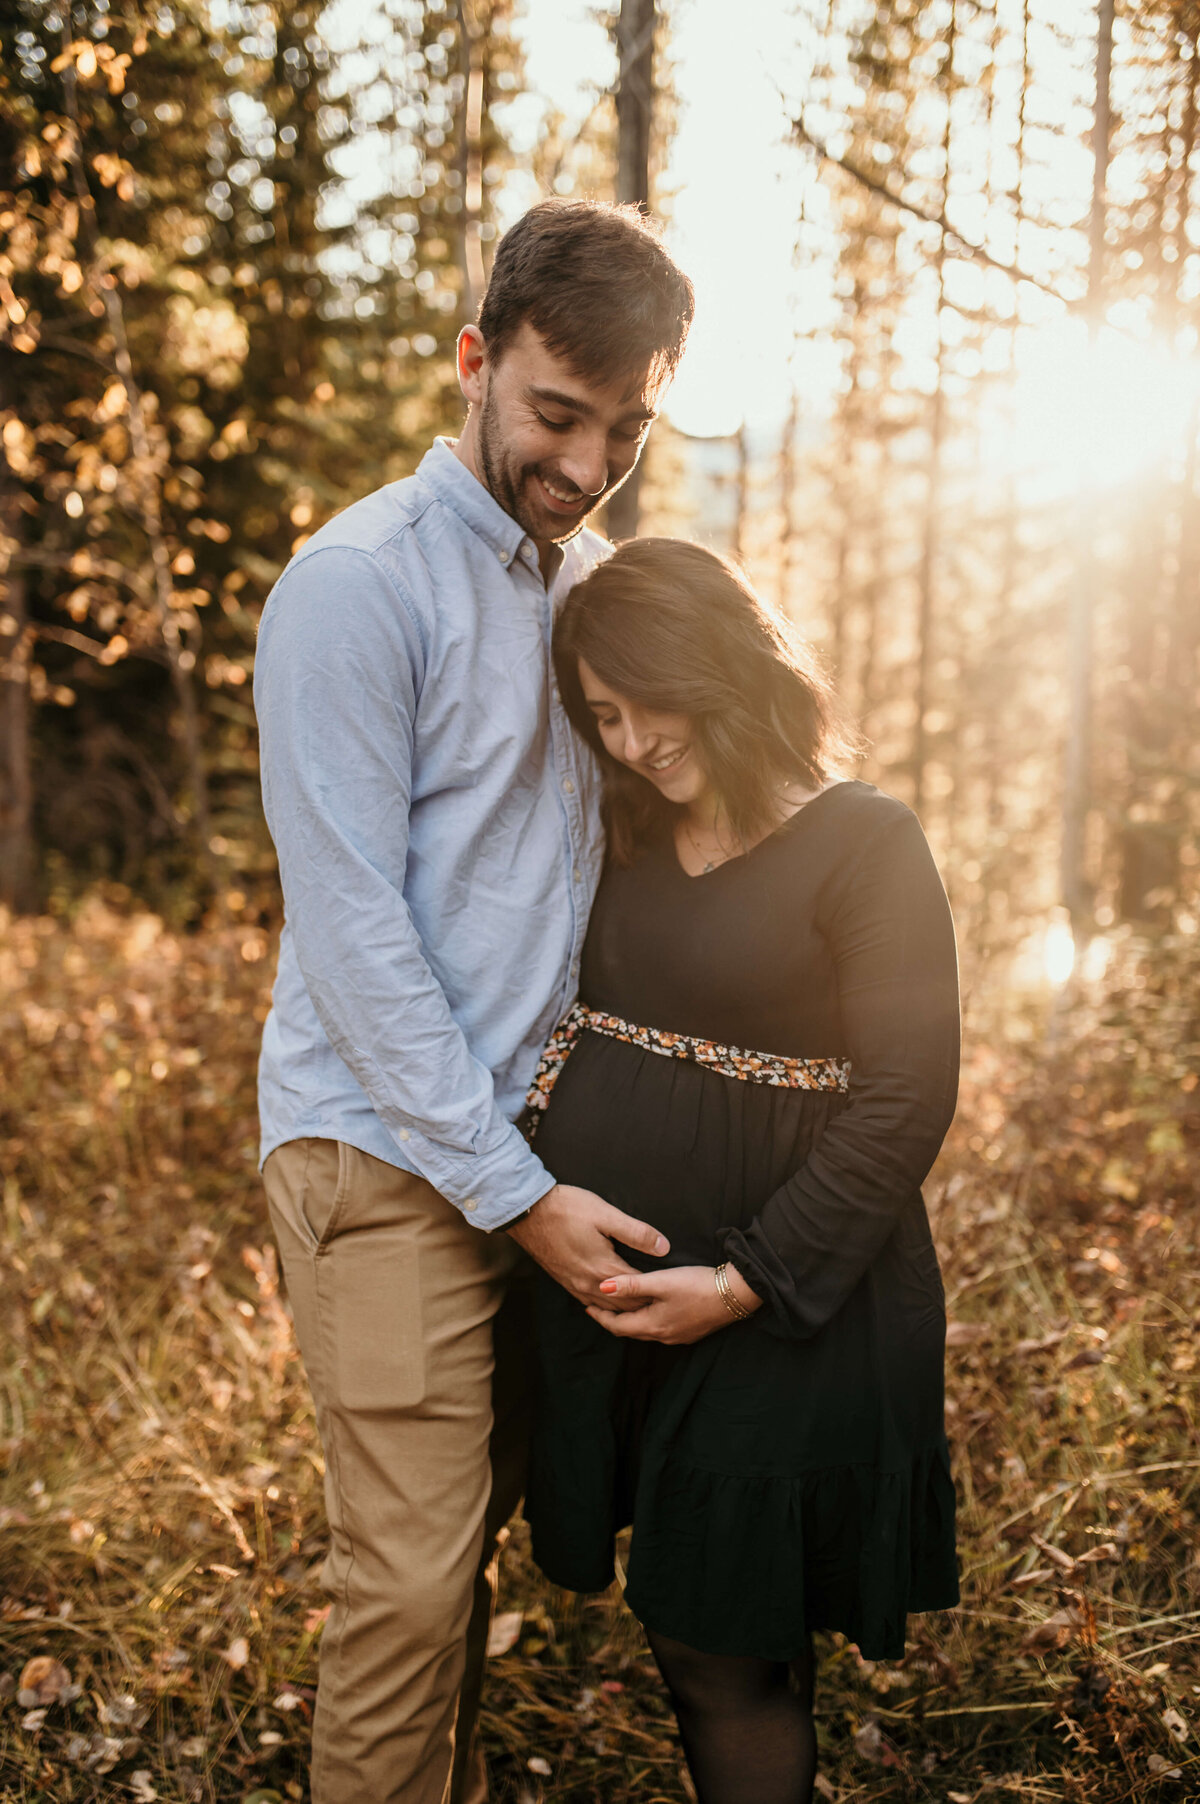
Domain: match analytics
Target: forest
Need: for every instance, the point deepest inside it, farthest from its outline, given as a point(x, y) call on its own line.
point(237, 242)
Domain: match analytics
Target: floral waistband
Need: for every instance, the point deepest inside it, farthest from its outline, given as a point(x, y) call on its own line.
point(729, 1061)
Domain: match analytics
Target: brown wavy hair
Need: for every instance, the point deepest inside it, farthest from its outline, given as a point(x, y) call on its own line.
point(676, 627)
point(597, 283)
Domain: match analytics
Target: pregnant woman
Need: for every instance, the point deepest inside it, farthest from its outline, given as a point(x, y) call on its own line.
point(762, 1063)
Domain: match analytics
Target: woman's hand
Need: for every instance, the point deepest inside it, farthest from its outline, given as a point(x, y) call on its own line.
point(678, 1306)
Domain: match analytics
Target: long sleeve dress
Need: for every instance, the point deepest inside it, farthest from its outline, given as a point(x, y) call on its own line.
point(789, 1472)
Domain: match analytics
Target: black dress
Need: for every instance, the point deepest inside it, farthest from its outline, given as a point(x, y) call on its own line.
point(789, 1472)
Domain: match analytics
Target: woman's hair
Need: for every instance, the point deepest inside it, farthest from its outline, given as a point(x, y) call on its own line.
point(675, 627)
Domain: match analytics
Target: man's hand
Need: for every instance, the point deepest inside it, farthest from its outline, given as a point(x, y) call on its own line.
point(570, 1233)
point(676, 1307)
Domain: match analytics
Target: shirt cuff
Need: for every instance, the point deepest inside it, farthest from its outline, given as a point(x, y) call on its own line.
point(492, 1188)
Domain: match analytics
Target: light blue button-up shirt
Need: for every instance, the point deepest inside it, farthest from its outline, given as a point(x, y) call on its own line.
point(437, 826)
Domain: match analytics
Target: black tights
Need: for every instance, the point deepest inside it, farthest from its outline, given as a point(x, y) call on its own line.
point(746, 1724)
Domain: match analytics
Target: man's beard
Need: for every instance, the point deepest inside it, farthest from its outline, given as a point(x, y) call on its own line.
point(506, 484)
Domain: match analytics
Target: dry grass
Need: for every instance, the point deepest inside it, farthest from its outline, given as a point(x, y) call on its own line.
point(160, 1519)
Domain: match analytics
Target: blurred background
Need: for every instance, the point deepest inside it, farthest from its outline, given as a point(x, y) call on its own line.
point(942, 395)
point(943, 401)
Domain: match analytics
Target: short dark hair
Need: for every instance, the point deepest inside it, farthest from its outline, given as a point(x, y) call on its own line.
point(676, 627)
point(596, 283)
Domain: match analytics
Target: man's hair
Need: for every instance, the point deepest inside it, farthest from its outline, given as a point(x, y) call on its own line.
point(595, 282)
point(675, 627)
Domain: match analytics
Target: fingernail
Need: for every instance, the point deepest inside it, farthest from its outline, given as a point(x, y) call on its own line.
point(662, 1245)
point(608, 1285)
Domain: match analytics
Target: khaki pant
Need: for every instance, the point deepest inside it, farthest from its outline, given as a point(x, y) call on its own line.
point(415, 1333)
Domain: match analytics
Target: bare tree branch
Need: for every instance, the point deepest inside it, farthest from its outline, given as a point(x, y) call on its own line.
point(968, 247)
point(94, 648)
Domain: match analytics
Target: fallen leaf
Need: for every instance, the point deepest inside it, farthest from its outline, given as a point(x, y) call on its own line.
point(925, 1657)
point(504, 1632)
point(1038, 1576)
point(237, 1654)
point(963, 1334)
point(43, 1681)
point(105, 1755)
point(1064, 1560)
point(1025, 1349)
point(1047, 1637)
point(33, 1721)
point(1175, 1724)
point(142, 1786)
point(287, 1700)
point(870, 1744)
point(119, 1712)
point(541, 1767)
point(1162, 1769)
point(1108, 1550)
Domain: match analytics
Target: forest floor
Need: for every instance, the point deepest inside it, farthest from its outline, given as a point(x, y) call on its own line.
point(160, 1479)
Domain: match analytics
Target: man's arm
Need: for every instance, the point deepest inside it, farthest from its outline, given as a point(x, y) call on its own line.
point(338, 672)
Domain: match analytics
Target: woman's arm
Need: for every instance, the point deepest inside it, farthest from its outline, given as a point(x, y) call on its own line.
point(888, 924)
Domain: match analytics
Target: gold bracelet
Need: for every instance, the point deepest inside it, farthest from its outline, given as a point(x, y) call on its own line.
point(733, 1304)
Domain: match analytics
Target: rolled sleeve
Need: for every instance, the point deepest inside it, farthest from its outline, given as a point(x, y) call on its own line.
point(337, 679)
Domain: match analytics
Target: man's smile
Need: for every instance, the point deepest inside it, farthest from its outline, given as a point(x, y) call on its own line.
point(560, 499)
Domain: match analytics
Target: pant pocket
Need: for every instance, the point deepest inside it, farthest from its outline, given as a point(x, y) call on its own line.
point(328, 1165)
point(371, 1289)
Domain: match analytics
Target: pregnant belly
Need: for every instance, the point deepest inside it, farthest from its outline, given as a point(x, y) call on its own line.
point(683, 1148)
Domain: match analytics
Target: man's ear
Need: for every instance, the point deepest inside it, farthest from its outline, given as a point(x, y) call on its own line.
point(472, 359)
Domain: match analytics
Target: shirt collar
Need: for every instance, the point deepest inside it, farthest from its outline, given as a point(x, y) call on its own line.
point(463, 493)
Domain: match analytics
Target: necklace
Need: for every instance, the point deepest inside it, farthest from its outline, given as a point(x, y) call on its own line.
point(712, 863)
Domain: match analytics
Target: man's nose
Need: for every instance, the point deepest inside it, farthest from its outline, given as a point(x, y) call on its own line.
point(586, 463)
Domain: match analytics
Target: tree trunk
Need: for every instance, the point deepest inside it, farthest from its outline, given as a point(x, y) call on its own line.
point(181, 660)
point(1077, 893)
point(470, 157)
point(636, 29)
point(787, 502)
point(741, 493)
point(16, 765)
point(931, 523)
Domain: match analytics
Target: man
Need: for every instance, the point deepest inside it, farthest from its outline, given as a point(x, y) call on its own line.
point(439, 846)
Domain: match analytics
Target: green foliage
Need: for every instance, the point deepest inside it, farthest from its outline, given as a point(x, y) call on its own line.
point(222, 325)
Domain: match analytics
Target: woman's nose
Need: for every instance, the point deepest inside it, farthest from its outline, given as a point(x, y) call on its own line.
point(638, 740)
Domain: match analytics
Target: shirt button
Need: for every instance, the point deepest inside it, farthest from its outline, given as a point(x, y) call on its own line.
point(568, 786)
point(503, 556)
point(577, 874)
point(470, 1204)
point(528, 548)
point(404, 1134)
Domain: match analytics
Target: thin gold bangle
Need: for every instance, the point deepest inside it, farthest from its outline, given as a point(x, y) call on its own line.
point(733, 1304)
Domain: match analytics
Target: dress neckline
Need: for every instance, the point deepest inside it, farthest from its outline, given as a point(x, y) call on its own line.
point(775, 833)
